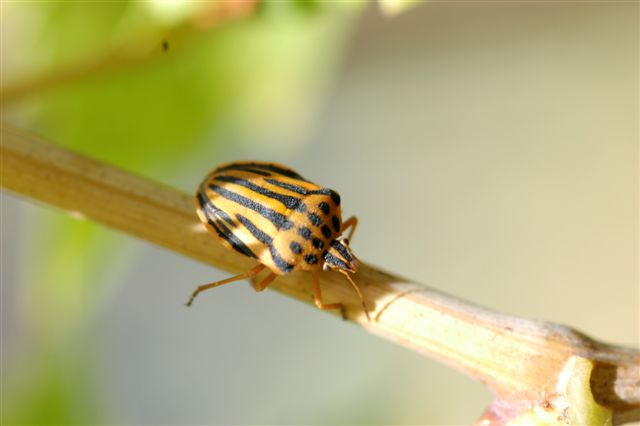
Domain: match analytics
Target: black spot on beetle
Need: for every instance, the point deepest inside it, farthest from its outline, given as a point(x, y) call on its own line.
point(311, 259)
point(326, 231)
point(336, 223)
point(318, 243)
point(315, 219)
point(324, 207)
point(335, 197)
point(295, 247)
point(305, 232)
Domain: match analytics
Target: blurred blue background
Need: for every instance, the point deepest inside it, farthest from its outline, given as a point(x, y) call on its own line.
point(498, 142)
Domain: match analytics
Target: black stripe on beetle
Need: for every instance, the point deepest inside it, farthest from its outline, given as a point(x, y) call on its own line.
point(335, 197)
point(220, 213)
point(233, 239)
point(287, 200)
point(224, 232)
point(343, 251)
point(284, 267)
point(262, 166)
point(255, 172)
point(289, 186)
point(261, 236)
point(278, 219)
point(333, 260)
point(212, 209)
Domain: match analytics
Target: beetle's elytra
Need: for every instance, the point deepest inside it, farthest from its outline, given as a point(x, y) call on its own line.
point(268, 212)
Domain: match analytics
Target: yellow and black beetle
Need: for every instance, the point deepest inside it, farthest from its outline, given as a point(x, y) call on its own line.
point(268, 212)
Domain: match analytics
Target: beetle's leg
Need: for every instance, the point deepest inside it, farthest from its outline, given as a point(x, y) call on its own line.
point(352, 223)
point(317, 295)
point(259, 286)
point(254, 281)
point(357, 289)
point(250, 273)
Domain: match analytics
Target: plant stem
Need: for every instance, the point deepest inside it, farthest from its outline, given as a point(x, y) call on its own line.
point(519, 359)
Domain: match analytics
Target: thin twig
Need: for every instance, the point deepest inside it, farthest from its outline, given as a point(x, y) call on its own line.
point(526, 363)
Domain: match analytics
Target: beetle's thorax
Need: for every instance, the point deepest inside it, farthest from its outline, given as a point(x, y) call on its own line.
point(340, 256)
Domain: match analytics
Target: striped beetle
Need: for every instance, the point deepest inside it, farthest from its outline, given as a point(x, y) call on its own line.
point(268, 212)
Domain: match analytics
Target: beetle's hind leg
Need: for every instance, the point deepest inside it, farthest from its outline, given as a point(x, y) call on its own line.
point(317, 295)
point(261, 285)
point(352, 223)
point(250, 273)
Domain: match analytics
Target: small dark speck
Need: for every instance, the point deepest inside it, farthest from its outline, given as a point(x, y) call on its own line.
point(165, 45)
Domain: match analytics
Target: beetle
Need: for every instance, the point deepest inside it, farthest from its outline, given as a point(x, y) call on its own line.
point(268, 212)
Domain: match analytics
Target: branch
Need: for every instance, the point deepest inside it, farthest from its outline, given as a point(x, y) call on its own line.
point(535, 368)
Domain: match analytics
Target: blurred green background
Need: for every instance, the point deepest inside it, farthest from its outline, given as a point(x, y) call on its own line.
point(496, 142)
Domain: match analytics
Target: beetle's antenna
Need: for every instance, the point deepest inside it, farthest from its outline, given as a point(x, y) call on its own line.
point(355, 286)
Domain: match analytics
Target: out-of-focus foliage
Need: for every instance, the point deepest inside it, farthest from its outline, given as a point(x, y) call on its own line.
point(395, 7)
point(259, 75)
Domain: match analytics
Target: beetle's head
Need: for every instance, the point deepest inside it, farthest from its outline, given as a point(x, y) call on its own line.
point(339, 256)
